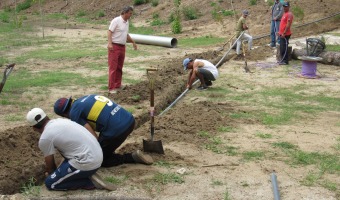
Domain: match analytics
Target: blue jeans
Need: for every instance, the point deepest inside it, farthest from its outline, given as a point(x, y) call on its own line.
point(274, 28)
point(66, 177)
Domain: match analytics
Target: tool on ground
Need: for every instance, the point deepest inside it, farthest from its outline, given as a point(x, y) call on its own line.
point(275, 186)
point(151, 145)
point(7, 71)
point(222, 48)
point(244, 57)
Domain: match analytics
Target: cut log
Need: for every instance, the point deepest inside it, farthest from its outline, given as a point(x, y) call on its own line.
point(328, 57)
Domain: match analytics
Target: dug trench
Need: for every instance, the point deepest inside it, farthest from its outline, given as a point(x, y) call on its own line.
point(22, 161)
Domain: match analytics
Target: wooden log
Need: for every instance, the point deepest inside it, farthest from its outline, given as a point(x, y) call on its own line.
point(328, 57)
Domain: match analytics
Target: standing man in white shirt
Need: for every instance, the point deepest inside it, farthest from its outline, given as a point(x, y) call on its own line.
point(118, 35)
point(204, 70)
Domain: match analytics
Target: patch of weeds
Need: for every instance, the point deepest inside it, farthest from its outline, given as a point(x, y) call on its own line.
point(203, 134)
point(154, 3)
point(228, 12)
point(136, 98)
point(11, 118)
point(310, 179)
point(264, 135)
point(162, 163)
point(116, 180)
point(252, 2)
point(81, 13)
point(176, 26)
point(331, 47)
point(4, 17)
point(270, 2)
point(231, 150)
point(329, 185)
point(284, 145)
point(298, 12)
point(190, 13)
point(225, 129)
point(227, 196)
point(337, 145)
point(138, 2)
point(24, 5)
point(216, 183)
point(253, 155)
point(164, 179)
point(130, 109)
point(30, 189)
point(157, 22)
point(100, 14)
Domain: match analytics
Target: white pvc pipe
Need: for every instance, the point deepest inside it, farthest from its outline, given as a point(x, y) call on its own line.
point(154, 40)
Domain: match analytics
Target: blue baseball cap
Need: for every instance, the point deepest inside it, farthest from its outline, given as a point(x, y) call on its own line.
point(285, 4)
point(186, 62)
point(61, 105)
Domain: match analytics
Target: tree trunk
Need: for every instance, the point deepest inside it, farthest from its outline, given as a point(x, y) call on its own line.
point(328, 57)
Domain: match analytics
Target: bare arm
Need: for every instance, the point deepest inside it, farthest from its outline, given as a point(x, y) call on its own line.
point(90, 129)
point(50, 164)
point(192, 77)
point(129, 39)
point(109, 39)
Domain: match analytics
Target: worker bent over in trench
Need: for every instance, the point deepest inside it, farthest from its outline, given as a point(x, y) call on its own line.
point(201, 69)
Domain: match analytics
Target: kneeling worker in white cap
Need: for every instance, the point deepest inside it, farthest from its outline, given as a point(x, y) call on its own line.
point(80, 149)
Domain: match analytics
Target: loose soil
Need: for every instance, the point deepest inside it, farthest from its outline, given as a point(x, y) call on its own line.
point(208, 174)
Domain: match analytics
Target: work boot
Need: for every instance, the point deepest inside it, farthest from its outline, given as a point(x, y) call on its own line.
point(139, 157)
point(99, 183)
point(208, 83)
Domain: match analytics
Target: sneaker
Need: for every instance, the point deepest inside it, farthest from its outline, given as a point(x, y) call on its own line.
point(202, 87)
point(139, 157)
point(99, 183)
point(283, 63)
point(272, 45)
point(208, 83)
point(114, 91)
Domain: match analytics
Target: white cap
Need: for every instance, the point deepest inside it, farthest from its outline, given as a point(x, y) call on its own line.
point(35, 116)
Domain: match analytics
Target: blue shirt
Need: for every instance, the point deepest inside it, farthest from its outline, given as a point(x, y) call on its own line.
point(103, 115)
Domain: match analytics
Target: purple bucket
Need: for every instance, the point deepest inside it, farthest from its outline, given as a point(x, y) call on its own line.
point(309, 68)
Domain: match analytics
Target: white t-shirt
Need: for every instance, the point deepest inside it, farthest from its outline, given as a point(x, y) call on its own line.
point(209, 66)
point(73, 141)
point(119, 29)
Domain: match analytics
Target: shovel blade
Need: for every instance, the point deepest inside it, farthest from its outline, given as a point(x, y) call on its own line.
point(153, 146)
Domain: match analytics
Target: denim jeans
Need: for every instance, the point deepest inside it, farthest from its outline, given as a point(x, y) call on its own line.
point(274, 28)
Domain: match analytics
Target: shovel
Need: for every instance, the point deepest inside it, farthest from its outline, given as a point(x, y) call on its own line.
point(151, 145)
point(222, 48)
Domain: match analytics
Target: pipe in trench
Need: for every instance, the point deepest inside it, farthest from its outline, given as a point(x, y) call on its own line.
point(154, 40)
point(186, 90)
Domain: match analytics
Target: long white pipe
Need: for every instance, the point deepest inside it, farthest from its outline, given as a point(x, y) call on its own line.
point(154, 40)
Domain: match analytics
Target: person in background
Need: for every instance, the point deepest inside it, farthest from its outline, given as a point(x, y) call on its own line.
point(285, 33)
point(276, 14)
point(204, 70)
point(118, 35)
point(240, 27)
point(81, 151)
point(113, 122)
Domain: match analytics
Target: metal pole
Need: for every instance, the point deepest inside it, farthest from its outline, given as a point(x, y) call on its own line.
point(275, 186)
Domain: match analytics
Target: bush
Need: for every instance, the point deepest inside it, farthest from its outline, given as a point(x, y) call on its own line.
point(4, 17)
point(228, 12)
point(176, 26)
point(189, 13)
point(154, 3)
point(101, 14)
point(298, 12)
point(23, 6)
point(81, 13)
point(252, 2)
point(139, 2)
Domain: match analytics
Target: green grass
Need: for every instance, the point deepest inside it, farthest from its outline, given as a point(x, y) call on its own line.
point(200, 41)
point(162, 163)
point(333, 48)
point(116, 180)
point(30, 189)
point(166, 178)
point(225, 129)
point(264, 135)
point(253, 155)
